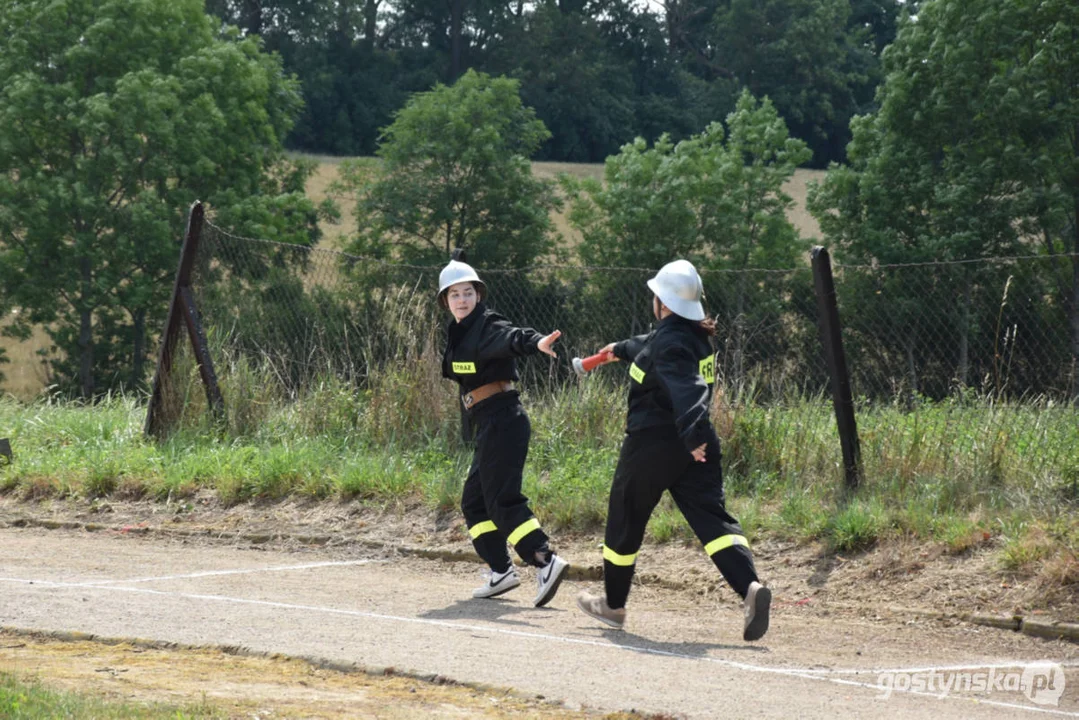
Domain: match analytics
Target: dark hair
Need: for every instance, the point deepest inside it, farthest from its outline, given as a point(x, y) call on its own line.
point(707, 326)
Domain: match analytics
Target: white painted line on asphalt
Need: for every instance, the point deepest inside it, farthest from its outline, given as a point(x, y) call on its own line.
point(803, 673)
point(946, 668)
point(212, 573)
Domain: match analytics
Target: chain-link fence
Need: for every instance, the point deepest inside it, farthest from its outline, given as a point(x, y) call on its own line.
point(308, 310)
point(966, 371)
point(979, 356)
point(1000, 327)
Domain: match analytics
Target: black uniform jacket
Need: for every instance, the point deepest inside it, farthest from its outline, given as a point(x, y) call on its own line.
point(481, 349)
point(671, 375)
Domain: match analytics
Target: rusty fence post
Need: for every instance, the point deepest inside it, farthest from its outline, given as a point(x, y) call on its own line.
point(182, 309)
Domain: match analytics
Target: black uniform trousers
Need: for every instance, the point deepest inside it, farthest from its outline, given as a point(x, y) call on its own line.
point(653, 460)
point(495, 509)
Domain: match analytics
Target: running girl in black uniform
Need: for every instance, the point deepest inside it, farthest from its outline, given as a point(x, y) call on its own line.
point(670, 445)
point(480, 349)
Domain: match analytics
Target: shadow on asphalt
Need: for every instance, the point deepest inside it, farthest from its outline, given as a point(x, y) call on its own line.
point(639, 643)
point(493, 610)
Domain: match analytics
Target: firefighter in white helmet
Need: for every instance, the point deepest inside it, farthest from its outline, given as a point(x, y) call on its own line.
point(480, 349)
point(670, 445)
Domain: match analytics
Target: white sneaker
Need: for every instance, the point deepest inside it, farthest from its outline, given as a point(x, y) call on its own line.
point(548, 578)
point(497, 583)
point(758, 601)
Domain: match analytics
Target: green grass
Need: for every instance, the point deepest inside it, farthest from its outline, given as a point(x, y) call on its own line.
point(957, 474)
point(22, 699)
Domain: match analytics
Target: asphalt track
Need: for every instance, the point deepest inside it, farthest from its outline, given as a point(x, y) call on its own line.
point(416, 616)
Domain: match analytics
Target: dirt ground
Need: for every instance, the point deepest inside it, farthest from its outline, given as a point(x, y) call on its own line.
point(920, 587)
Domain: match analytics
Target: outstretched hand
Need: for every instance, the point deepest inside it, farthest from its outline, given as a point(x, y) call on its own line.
point(547, 341)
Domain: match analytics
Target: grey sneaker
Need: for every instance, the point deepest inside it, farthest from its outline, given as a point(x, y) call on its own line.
point(758, 601)
point(548, 578)
point(497, 583)
point(596, 606)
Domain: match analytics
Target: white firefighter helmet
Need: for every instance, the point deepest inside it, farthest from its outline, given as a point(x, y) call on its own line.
point(679, 287)
point(458, 272)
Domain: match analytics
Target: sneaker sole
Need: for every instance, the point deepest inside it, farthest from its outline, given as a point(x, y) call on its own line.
point(500, 591)
point(606, 621)
point(759, 626)
point(552, 588)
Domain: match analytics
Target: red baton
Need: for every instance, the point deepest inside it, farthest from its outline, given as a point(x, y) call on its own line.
point(590, 363)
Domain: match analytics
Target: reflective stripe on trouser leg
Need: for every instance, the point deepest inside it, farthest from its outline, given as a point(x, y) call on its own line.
point(480, 528)
point(731, 556)
point(634, 493)
point(502, 448)
point(530, 542)
point(618, 569)
point(698, 492)
point(617, 558)
point(723, 542)
point(490, 545)
point(522, 530)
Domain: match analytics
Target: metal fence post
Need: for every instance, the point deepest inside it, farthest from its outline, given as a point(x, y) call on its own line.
point(182, 310)
point(839, 377)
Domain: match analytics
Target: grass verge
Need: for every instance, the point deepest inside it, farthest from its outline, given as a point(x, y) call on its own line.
point(29, 699)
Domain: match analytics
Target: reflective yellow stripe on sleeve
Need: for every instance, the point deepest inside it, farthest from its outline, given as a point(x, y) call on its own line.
point(464, 368)
point(636, 373)
point(617, 559)
point(723, 542)
point(481, 527)
point(523, 529)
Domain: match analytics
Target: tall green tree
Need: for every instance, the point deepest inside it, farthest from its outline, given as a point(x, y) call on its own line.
point(804, 55)
point(578, 88)
point(456, 174)
point(633, 34)
point(598, 72)
point(355, 62)
point(973, 154)
point(114, 117)
point(715, 198)
point(457, 33)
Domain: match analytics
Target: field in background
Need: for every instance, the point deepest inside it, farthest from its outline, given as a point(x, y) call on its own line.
point(26, 377)
point(318, 186)
point(319, 183)
point(797, 188)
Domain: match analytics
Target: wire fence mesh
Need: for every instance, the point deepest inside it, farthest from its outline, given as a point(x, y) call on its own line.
point(957, 368)
point(305, 310)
